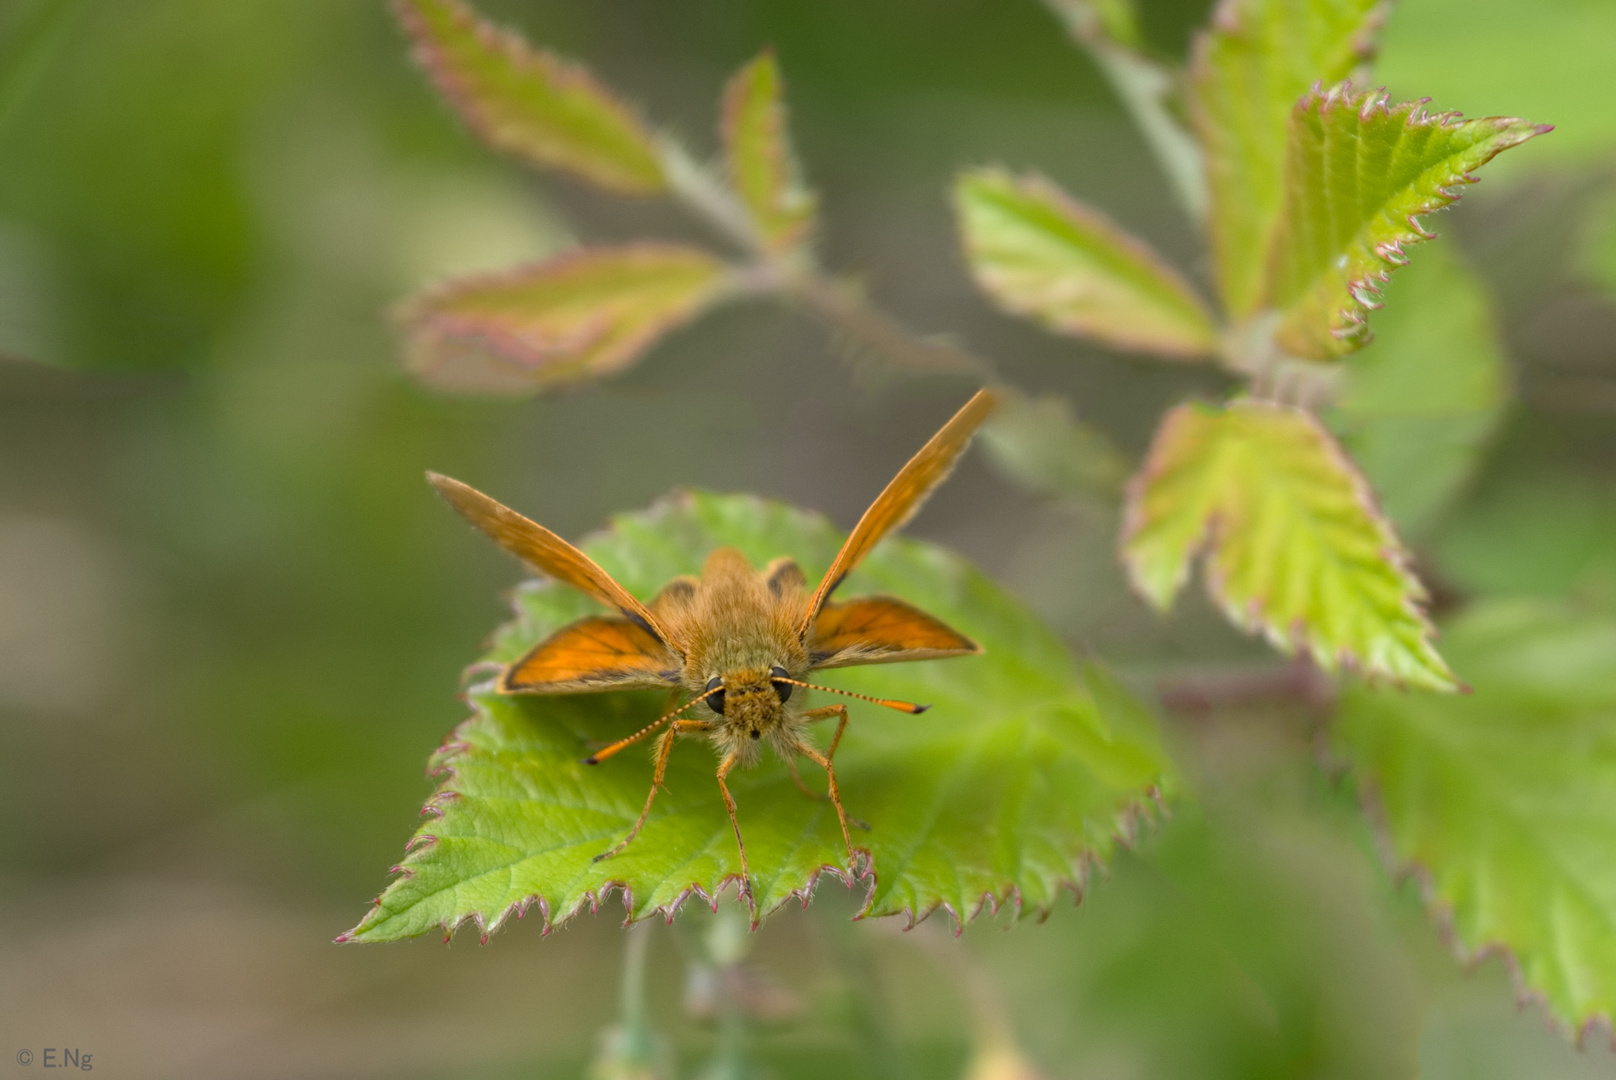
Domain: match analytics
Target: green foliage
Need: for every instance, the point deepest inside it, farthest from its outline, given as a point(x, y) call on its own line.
point(531, 103)
point(1419, 403)
point(1295, 547)
point(1359, 174)
point(761, 166)
point(1251, 66)
point(1040, 253)
point(577, 317)
point(1024, 773)
point(1505, 799)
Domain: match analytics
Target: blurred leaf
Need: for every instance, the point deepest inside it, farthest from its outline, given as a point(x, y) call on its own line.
point(1539, 531)
point(579, 316)
point(1024, 772)
point(1295, 547)
point(1506, 798)
point(757, 152)
point(1552, 59)
point(1040, 445)
point(1359, 174)
point(528, 102)
point(1040, 253)
point(1251, 66)
point(1419, 403)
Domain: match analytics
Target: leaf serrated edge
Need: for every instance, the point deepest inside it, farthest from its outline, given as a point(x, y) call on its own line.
point(1248, 617)
point(427, 329)
point(1368, 289)
point(559, 72)
point(991, 181)
point(1228, 20)
point(791, 195)
point(1441, 913)
point(1145, 808)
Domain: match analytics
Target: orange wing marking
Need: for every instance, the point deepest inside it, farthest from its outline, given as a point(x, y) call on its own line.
point(882, 630)
point(597, 653)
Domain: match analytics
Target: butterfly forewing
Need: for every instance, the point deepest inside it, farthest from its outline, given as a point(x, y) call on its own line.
point(597, 653)
point(533, 543)
point(882, 630)
point(903, 496)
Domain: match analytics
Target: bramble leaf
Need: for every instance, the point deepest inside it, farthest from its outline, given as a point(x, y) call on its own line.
point(579, 316)
point(758, 157)
point(1506, 798)
point(1040, 253)
point(1419, 403)
point(1026, 770)
point(1359, 174)
point(529, 102)
point(1294, 545)
point(1253, 63)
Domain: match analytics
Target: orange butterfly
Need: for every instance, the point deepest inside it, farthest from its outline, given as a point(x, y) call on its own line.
point(739, 640)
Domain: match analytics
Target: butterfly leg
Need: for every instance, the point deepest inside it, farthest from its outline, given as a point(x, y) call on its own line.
point(796, 777)
point(724, 767)
point(825, 761)
point(664, 748)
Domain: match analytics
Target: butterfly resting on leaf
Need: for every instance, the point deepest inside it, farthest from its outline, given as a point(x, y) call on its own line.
point(741, 641)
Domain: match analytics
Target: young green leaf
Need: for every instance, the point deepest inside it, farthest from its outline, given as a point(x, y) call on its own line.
point(1251, 65)
point(1025, 772)
point(1418, 405)
point(1359, 174)
point(1040, 253)
point(1505, 799)
point(1294, 545)
point(758, 156)
point(579, 316)
point(529, 102)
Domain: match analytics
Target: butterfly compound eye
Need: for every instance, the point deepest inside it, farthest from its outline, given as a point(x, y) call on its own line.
point(784, 689)
point(716, 701)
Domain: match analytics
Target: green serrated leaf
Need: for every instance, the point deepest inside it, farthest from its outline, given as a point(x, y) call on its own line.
point(530, 102)
point(1040, 253)
point(1040, 445)
point(1359, 174)
point(1294, 546)
point(762, 167)
point(1024, 772)
point(1421, 401)
point(1506, 798)
point(1253, 63)
point(579, 316)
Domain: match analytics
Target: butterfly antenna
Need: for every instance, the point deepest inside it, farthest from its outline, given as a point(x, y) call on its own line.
point(601, 755)
point(891, 703)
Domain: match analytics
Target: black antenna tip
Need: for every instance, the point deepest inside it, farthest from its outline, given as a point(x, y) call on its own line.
point(591, 760)
point(920, 709)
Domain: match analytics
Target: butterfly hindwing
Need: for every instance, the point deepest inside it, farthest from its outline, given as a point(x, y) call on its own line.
point(597, 653)
point(903, 496)
point(882, 630)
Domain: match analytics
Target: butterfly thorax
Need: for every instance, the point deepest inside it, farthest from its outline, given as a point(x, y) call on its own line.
point(740, 626)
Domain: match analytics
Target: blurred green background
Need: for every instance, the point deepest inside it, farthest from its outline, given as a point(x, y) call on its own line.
point(233, 618)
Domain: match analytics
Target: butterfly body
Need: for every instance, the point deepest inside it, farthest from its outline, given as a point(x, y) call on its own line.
point(739, 626)
point(740, 641)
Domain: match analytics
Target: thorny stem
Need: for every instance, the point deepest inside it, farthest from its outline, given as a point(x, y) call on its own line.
point(1145, 89)
point(862, 322)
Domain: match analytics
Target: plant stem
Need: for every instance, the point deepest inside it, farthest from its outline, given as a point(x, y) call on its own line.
point(1145, 88)
point(854, 316)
